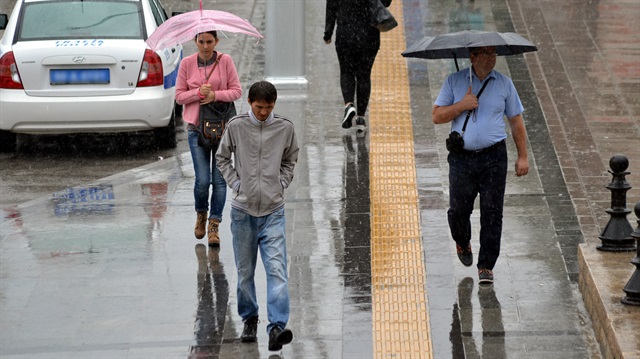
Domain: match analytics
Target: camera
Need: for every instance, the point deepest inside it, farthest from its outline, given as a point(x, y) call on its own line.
point(455, 142)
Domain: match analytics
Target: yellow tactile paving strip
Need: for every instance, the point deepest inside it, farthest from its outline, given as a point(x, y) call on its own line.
point(399, 298)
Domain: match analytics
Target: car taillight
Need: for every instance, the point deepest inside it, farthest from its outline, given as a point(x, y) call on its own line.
point(9, 76)
point(151, 72)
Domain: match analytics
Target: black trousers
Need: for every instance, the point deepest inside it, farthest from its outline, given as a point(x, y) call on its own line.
point(356, 54)
point(484, 173)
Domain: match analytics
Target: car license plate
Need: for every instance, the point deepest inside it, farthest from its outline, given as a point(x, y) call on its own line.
point(79, 76)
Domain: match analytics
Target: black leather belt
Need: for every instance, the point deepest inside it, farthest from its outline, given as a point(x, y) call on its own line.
point(484, 150)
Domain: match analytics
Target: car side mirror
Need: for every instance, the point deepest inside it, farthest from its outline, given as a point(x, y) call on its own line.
point(176, 13)
point(4, 19)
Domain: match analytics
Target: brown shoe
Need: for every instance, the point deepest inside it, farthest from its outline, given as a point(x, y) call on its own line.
point(201, 221)
point(214, 239)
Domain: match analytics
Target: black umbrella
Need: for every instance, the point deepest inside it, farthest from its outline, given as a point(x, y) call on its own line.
point(457, 44)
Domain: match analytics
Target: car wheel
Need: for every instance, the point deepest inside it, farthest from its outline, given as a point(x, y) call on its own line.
point(166, 136)
point(178, 111)
point(8, 141)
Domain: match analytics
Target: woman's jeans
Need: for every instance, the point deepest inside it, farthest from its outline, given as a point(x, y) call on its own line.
point(268, 235)
point(207, 174)
point(472, 173)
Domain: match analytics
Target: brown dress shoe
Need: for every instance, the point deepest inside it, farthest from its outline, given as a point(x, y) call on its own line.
point(214, 239)
point(201, 221)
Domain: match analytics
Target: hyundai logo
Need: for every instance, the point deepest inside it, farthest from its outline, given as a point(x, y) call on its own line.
point(78, 59)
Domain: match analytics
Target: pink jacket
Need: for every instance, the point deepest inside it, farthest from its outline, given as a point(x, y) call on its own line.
point(224, 82)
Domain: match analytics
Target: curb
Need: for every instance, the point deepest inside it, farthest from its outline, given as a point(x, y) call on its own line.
point(602, 277)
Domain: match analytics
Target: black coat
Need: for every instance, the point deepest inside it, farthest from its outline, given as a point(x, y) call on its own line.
point(354, 19)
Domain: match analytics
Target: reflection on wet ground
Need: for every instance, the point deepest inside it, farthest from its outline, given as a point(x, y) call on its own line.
point(356, 267)
point(44, 164)
point(465, 334)
point(213, 296)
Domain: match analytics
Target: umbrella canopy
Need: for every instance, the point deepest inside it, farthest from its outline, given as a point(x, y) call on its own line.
point(184, 27)
point(457, 44)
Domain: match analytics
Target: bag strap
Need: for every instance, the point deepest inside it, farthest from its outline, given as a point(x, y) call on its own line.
point(215, 63)
point(464, 127)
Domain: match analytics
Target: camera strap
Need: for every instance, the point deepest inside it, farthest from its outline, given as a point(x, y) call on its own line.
point(464, 127)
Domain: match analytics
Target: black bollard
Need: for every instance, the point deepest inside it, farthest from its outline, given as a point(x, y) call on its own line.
point(633, 285)
point(616, 236)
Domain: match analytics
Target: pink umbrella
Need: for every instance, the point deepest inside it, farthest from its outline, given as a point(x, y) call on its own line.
point(184, 27)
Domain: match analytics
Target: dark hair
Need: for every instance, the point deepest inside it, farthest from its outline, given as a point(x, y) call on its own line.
point(479, 49)
point(263, 91)
point(475, 50)
point(213, 33)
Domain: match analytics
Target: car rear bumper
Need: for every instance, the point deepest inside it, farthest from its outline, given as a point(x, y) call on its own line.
point(145, 109)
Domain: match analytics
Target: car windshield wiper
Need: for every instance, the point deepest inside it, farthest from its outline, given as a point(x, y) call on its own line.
point(101, 21)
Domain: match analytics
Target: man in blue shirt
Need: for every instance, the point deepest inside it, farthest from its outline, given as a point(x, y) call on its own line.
point(481, 167)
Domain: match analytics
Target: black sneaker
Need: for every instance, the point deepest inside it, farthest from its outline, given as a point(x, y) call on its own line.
point(279, 337)
point(349, 113)
point(465, 255)
point(361, 124)
point(485, 276)
point(250, 331)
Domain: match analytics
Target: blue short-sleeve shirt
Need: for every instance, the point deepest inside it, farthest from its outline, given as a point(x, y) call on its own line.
point(486, 124)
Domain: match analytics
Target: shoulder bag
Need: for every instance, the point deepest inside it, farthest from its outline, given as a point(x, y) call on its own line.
point(213, 119)
point(383, 20)
point(455, 141)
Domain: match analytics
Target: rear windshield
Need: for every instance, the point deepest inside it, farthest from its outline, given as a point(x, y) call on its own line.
point(81, 19)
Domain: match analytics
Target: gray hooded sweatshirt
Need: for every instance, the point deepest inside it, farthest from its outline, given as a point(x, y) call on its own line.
point(264, 155)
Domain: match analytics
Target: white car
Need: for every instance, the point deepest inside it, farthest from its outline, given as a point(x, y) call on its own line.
point(82, 66)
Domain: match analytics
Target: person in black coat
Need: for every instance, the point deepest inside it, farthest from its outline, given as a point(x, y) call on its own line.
point(357, 44)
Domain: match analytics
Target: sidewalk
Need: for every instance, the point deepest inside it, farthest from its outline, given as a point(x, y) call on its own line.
point(373, 271)
point(586, 80)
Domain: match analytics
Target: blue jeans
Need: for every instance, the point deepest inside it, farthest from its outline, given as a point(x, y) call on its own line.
point(266, 233)
point(471, 174)
point(207, 174)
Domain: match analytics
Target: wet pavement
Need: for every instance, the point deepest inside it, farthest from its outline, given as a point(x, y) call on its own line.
point(110, 269)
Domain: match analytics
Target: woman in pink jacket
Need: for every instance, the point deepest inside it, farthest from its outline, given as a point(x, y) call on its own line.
point(192, 90)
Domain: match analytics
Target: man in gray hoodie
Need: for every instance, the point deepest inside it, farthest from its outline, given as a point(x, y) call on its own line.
point(265, 152)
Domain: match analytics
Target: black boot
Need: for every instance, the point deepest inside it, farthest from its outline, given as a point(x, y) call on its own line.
point(249, 334)
point(279, 337)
